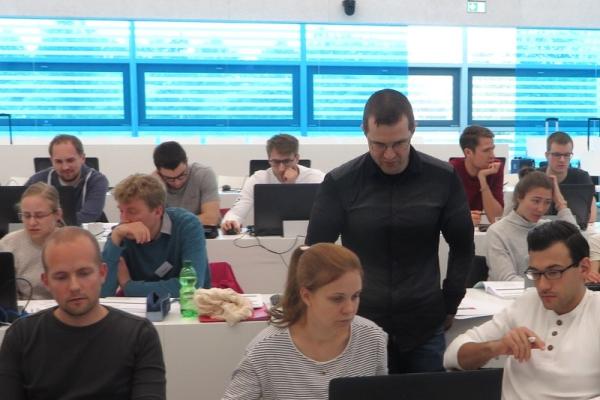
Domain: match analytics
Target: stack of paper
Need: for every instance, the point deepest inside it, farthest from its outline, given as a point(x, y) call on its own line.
point(505, 289)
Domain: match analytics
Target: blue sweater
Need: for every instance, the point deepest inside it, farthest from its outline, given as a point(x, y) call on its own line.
point(183, 241)
point(90, 192)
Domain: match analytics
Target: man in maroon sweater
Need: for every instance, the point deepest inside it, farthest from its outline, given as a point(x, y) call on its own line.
point(481, 173)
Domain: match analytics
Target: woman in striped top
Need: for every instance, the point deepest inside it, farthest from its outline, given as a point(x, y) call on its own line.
point(315, 335)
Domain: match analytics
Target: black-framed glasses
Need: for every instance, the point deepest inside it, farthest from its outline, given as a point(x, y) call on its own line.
point(171, 179)
point(25, 216)
point(552, 273)
point(566, 156)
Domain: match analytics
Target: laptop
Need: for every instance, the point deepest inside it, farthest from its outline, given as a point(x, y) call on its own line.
point(464, 385)
point(8, 288)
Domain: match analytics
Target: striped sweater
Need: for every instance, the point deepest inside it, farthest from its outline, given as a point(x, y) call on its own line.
point(273, 368)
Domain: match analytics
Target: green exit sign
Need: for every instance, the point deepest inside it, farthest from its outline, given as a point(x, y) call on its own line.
point(476, 6)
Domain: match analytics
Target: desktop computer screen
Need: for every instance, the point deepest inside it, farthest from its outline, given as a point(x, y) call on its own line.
point(275, 203)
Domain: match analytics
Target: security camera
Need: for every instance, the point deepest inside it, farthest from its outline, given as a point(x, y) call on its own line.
point(349, 6)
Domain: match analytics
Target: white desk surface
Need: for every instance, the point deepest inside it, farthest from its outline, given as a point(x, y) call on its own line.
point(200, 357)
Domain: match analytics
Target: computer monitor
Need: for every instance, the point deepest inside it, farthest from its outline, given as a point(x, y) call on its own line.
point(275, 203)
point(579, 198)
point(8, 288)
point(41, 163)
point(256, 165)
point(463, 385)
point(10, 196)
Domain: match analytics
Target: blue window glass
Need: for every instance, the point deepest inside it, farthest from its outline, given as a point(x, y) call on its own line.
point(64, 94)
point(208, 95)
point(356, 44)
point(220, 42)
point(42, 39)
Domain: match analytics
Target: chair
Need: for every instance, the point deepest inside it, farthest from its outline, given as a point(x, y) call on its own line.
point(463, 385)
point(41, 163)
point(256, 165)
point(478, 272)
point(222, 277)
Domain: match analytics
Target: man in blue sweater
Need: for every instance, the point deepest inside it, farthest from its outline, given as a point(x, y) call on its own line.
point(145, 252)
point(69, 169)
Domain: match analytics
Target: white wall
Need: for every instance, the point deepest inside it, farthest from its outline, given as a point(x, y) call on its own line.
point(567, 13)
point(119, 161)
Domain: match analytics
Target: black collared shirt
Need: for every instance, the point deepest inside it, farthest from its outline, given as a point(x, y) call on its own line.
point(393, 223)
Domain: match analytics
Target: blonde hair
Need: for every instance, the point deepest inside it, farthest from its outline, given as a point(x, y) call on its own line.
point(142, 186)
point(312, 268)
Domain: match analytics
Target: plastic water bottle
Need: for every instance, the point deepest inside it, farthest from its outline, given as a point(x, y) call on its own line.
point(187, 280)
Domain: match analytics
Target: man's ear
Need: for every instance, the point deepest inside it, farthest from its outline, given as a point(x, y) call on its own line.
point(585, 265)
point(45, 279)
point(468, 152)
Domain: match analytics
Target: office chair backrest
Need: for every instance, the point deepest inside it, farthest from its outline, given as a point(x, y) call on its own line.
point(256, 165)
point(463, 385)
point(41, 163)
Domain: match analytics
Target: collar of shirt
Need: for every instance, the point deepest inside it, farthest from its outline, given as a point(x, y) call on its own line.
point(167, 225)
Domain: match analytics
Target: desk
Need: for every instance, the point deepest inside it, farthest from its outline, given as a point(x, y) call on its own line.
point(200, 357)
point(259, 270)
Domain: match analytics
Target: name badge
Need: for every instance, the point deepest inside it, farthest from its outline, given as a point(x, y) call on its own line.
point(163, 269)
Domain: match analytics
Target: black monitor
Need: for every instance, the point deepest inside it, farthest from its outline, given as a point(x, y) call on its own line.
point(463, 385)
point(275, 203)
point(579, 199)
point(10, 196)
point(256, 165)
point(41, 163)
point(8, 288)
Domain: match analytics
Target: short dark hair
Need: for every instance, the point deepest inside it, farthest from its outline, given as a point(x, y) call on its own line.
point(545, 235)
point(469, 138)
point(169, 155)
point(558, 137)
point(74, 140)
point(283, 143)
point(388, 106)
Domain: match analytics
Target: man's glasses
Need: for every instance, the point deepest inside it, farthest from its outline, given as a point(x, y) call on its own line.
point(171, 179)
point(566, 156)
point(285, 162)
point(396, 146)
point(551, 273)
point(25, 216)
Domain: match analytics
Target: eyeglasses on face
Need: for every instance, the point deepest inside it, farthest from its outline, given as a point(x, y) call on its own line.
point(557, 155)
point(552, 273)
point(171, 179)
point(396, 146)
point(25, 216)
point(285, 162)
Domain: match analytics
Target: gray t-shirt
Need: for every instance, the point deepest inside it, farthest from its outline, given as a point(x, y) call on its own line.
point(201, 187)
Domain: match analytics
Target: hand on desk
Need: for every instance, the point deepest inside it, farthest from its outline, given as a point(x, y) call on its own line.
point(476, 217)
point(230, 227)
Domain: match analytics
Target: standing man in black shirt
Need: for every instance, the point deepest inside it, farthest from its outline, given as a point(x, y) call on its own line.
point(390, 205)
point(80, 349)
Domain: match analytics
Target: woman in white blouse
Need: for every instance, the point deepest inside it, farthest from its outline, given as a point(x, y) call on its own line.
point(315, 335)
point(40, 212)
